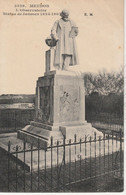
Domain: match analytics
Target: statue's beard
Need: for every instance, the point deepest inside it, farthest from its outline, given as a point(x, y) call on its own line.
point(65, 19)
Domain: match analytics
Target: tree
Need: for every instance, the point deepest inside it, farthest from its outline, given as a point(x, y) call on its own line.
point(104, 82)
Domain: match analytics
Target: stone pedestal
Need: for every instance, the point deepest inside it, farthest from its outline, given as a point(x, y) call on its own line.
point(60, 99)
point(49, 55)
point(59, 109)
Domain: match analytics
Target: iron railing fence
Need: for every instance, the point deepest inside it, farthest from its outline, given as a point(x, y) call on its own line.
point(62, 164)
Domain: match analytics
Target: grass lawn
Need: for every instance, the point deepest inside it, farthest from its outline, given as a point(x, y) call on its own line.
point(101, 184)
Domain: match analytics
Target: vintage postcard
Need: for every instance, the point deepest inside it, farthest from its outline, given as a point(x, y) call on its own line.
point(62, 96)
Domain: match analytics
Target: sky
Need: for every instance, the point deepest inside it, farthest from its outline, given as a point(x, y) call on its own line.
point(22, 44)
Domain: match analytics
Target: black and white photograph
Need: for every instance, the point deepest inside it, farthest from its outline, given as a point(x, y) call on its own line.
point(61, 96)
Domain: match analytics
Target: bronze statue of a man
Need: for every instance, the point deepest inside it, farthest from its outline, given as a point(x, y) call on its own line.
point(64, 32)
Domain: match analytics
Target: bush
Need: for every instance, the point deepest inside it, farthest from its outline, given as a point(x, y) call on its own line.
point(111, 103)
point(104, 83)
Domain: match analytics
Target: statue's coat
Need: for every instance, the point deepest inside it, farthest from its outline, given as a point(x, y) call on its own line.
point(65, 44)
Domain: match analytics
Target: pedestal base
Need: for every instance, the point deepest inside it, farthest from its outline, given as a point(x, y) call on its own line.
point(81, 131)
point(39, 135)
point(38, 131)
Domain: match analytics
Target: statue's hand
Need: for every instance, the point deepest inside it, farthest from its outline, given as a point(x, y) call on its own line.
point(54, 37)
point(51, 42)
point(76, 32)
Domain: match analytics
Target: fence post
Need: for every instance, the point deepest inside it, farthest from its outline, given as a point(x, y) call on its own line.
point(75, 139)
point(112, 160)
point(51, 163)
point(69, 162)
point(38, 160)
point(112, 152)
point(85, 157)
point(95, 151)
point(45, 149)
point(80, 158)
point(8, 166)
point(64, 162)
point(58, 174)
point(104, 138)
point(90, 154)
point(99, 154)
point(24, 164)
point(16, 167)
point(31, 164)
point(121, 166)
point(108, 153)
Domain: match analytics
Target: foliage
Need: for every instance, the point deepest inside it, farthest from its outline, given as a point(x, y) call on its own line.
point(112, 103)
point(104, 82)
point(104, 92)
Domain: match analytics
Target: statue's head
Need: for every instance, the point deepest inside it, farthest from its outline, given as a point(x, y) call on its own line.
point(64, 14)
